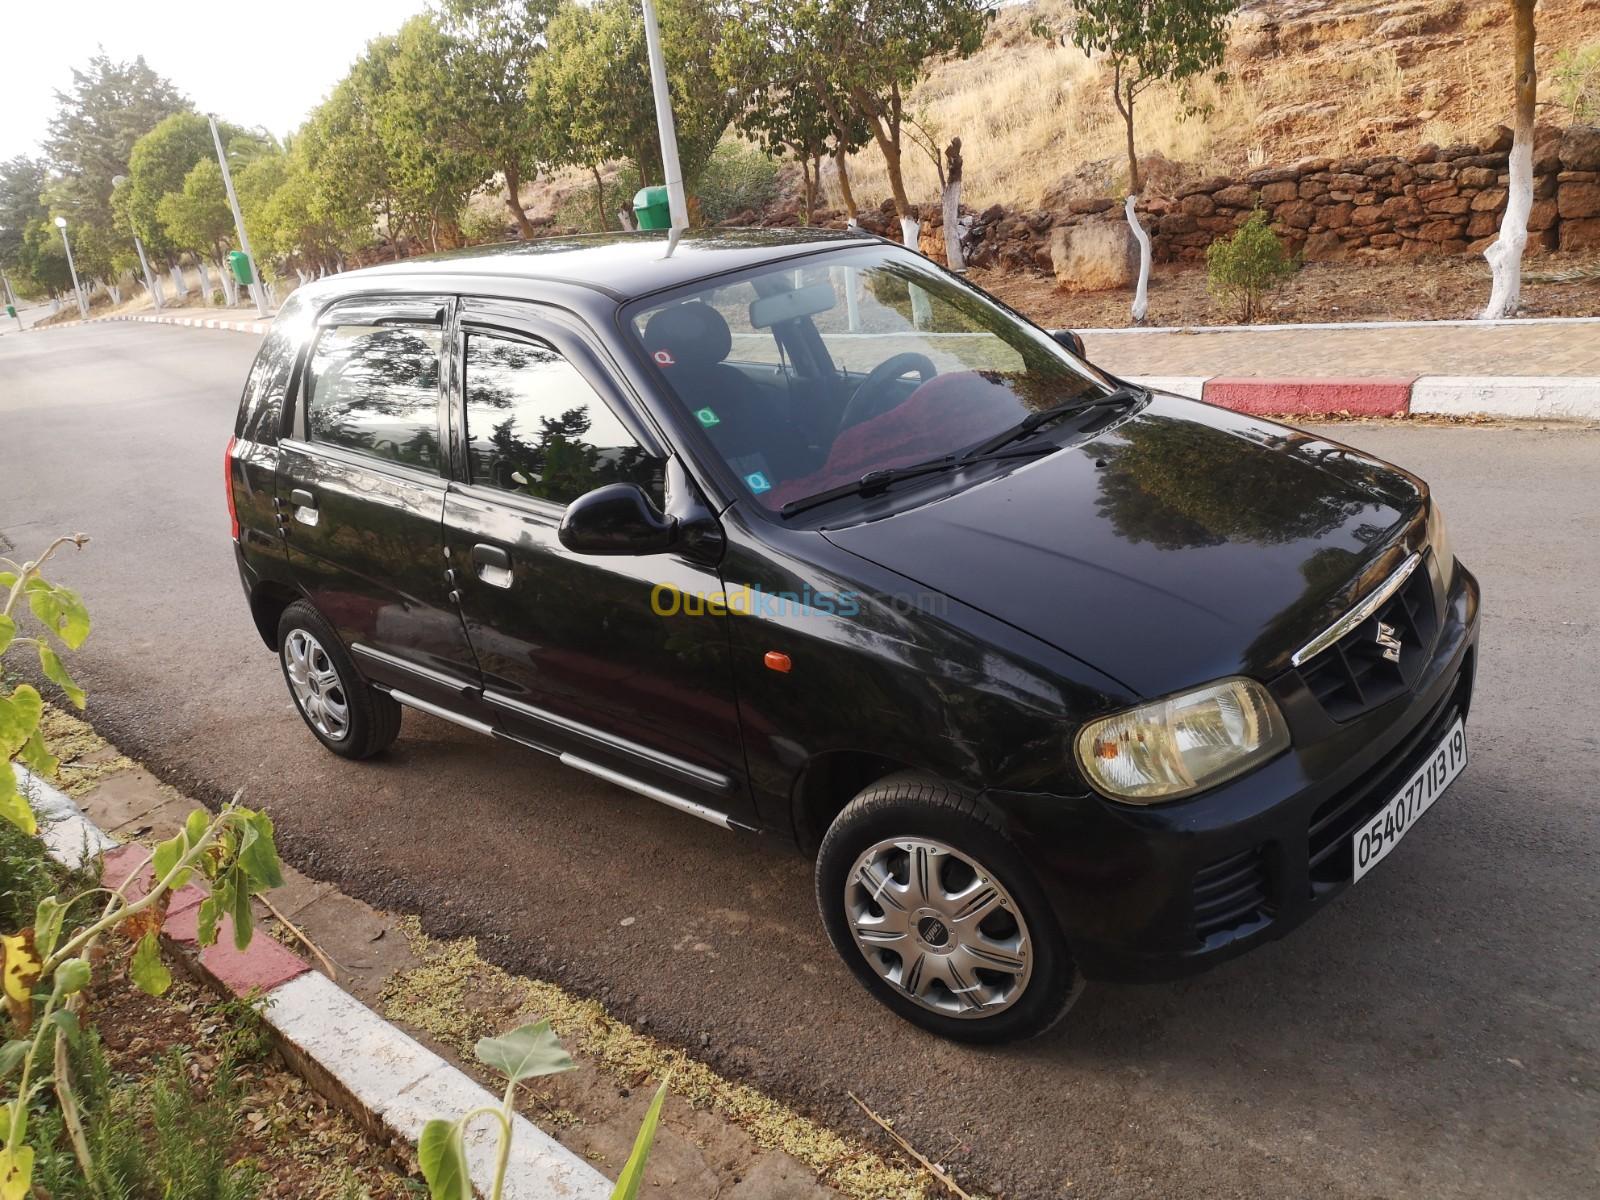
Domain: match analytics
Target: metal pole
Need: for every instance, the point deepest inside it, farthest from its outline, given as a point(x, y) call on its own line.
point(677, 205)
point(238, 221)
point(83, 308)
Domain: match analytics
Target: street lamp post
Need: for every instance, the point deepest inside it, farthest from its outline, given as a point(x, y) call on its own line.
point(258, 292)
point(677, 205)
point(144, 263)
point(83, 307)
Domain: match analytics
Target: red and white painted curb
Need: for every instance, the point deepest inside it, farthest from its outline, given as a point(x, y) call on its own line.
point(1527, 397)
point(1516, 397)
point(384, 1075)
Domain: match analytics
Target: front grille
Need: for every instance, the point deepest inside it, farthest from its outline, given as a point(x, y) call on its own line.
point(1335, 822)
point(1232, 894)
point(1353, 676)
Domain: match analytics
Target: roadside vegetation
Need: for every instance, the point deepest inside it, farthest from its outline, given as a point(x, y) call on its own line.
point(485, 119)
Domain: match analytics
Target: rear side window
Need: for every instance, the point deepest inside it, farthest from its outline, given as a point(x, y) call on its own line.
point(535, 426)
point(375, 389)
point(262, 407)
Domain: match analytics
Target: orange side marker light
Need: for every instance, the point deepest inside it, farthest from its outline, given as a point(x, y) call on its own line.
point(777, 661)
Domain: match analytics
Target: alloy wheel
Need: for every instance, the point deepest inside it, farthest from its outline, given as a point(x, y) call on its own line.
point(939, 927)
point(316, 685)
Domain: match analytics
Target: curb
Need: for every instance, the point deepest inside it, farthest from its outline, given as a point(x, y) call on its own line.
point(1517, 397)
point(1530, 397)
point(384, 1077)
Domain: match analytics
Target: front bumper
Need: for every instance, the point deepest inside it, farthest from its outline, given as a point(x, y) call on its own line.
point(1145, 894)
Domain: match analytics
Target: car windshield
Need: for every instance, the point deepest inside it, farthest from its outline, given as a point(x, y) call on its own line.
point(806, 377)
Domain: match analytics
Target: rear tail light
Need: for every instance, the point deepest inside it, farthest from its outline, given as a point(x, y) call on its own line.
point(227, 481)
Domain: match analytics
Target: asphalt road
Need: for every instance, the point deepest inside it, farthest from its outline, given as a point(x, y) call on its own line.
point(1435, 1033)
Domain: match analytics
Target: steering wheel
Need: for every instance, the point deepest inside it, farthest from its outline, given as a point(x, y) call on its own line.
point(870, 399)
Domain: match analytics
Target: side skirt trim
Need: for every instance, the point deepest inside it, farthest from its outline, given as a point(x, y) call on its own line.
point(660, 795)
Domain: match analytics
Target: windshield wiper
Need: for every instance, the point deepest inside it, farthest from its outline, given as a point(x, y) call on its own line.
point(1036, 420)
point(874, 482)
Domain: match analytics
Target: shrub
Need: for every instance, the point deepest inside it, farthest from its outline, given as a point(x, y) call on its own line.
point(486, 225)
point(1577, 81)
point(593, 207)
point(738, 177)
point(1241, 269)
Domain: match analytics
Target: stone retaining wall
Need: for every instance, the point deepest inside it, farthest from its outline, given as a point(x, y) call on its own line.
point(1432, 201)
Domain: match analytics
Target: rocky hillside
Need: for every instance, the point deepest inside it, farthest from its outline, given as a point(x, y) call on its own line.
point(1331, 78)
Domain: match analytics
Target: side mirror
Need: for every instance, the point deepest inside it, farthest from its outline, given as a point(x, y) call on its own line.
point(1071, 341)
point(616, 519)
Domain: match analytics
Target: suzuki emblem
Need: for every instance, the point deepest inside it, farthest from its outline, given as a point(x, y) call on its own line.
point(1389, 642)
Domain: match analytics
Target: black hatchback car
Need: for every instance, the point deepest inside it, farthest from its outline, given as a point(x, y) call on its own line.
point(1057, 677)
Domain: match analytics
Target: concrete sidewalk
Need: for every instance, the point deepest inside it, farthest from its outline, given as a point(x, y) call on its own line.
point(1522, 348)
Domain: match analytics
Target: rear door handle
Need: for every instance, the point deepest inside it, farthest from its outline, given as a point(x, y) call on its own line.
point(305, 506)
point(494, 565)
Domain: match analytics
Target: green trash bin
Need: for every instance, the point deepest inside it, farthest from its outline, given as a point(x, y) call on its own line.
point(10, 311)
point(239, 264)
point(652, 208)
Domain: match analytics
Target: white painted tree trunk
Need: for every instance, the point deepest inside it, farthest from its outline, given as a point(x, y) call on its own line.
point(1505, 255)
point(116, 293)
point(1141, 295)
point(626, 218)
point(952, 226)
point(179, 288)
point(230, 288)
point(205, 281)
point(909, 229)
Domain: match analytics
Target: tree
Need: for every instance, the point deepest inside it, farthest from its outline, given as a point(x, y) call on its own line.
point(109, 107)
point(877, 50)
point(22, 181)
point(792, 102)
point(489, 65)
point(1505, 254)
point(1242, 269)
point(350, 175)
point(423, 119)
point(591, 90)
point(1150, 41)
point(198, 216)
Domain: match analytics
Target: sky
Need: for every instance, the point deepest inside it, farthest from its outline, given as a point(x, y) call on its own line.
point(303, 47)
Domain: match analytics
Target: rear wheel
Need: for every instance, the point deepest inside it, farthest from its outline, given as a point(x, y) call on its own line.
point(346, 714)
point(934, 909)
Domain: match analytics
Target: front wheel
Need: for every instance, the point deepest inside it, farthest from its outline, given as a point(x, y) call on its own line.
point(934, 909)
point(346, 714)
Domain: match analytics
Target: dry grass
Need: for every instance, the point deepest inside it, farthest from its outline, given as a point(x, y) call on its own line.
point(1030, 111)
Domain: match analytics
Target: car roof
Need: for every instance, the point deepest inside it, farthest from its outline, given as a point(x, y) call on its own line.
point(622, 265)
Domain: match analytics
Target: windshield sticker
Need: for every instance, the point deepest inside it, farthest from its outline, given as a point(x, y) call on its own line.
point(664, 358)
point(758, 482)
point(708, 417)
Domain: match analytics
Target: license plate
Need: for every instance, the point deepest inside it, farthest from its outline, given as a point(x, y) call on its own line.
point(1374, 840)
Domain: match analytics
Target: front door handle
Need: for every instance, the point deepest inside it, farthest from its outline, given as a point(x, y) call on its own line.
point(305, 506)
point(494, 565)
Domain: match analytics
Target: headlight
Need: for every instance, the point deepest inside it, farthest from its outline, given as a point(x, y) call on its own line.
point(1439, 539)
point(1183, 744)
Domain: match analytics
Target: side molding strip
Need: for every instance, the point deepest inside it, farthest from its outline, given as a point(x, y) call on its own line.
point(645, 789)
point(441, 712)
point(714, 780)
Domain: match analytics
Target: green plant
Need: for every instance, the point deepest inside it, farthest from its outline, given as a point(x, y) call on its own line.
point(1241, 269)
point(1577, 82)
point(528, 1052)
point(46, 966)
point(153, 1136)
point(66, 620)
point(738, 176)
point(593, 207)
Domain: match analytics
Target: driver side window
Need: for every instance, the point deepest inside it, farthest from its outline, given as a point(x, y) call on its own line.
point(536, 427)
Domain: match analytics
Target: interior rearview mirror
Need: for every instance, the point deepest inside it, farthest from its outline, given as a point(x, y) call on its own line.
point(617, 519)
point(1070, 340)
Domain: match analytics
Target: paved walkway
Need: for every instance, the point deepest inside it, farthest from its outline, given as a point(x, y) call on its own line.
point(1435, 349)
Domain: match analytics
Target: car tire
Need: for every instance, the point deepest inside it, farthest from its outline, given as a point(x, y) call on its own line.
point(347, 715)
point(971, 868)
